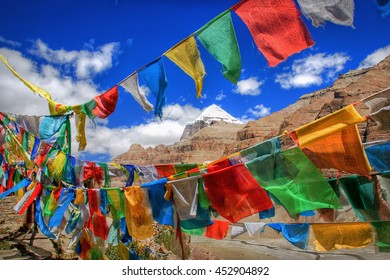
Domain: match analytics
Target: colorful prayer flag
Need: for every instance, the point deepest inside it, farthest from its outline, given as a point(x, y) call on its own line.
point(186, 56)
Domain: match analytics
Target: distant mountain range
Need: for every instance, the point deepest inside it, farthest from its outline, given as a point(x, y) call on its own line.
point(215, 133)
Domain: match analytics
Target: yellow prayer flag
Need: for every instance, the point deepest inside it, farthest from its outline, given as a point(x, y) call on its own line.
point(186, 56)
point(40, 91)
point(80, 198)
point(329, 237)
point(138, 217)
point(325, 126)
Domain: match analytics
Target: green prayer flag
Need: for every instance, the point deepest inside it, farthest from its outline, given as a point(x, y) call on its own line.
point(294, 180)
point(382, 230)
point(219, 38)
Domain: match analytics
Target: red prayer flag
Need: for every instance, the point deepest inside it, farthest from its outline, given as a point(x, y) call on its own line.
point(235, 194)
point(218, 165)
point(218, 230)
point(106, 103)
point(165, 170)
point(276, 27)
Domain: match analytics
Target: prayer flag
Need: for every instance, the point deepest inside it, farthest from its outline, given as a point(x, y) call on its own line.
point(296, 234)
point(131, 84)
point(276, 27)
point(106, 103)
point(328, 237)
point(218, 230)
point(325, 126)
point(294, 180)
point(336, 11)
point(219, 38)
point(156, 81)
point(234, 193)
point(186, 56)
point(379, 155)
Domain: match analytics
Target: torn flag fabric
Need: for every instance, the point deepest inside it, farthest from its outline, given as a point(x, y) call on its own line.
point(294, 180)
point(382, 234)
point(131, 84)
point(186, 55)
point(234, 193)
point(106, 103)
point(219, 38)
point(336, 11)
point(276, 27)
point(154, 77)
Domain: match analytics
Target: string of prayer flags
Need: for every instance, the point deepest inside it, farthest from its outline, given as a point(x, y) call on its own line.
point(154, 77)
point(186, 56)
point(328, 237)
point(336, 11)
point(218, 230)
point(131, 84)
point(342, 150)
point(325, 126)
point(276, 28)
point(234, 193)
point(294, 180)
point(219, 38)
point(296, 234)
point(379, 155)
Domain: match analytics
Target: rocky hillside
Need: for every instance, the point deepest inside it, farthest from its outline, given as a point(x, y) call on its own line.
point(219, 139)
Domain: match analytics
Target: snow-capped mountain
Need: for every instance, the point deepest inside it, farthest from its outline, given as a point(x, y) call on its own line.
point(209, 116)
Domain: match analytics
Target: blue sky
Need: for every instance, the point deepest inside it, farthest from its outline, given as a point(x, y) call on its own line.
point(79, 49)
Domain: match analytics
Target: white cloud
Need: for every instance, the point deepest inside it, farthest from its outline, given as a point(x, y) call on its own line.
point(220, 96)
point(312, 70)
point(375, 57)
point(255, 113)
point(17, 98)
point(86, 63)
point(9, 42)
point(249, 86)
point(149, 134)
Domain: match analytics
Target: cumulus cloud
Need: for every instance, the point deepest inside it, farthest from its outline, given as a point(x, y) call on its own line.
point(220, 96)
point(9, 42)
point(375, 57)
point(86, 63)
point(17, 98)
point(255, 113)
point(149, 134)
point(249, 86)
point(312, 70)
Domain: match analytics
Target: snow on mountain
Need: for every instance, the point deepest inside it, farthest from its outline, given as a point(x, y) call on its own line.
point(208, 116)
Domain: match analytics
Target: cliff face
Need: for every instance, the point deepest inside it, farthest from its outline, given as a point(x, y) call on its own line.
point(219, 139)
